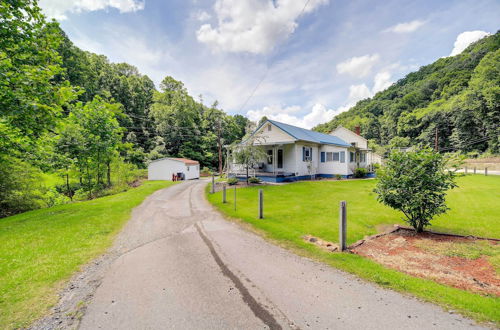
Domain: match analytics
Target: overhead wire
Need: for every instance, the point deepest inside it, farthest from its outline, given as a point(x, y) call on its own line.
point(267, 69)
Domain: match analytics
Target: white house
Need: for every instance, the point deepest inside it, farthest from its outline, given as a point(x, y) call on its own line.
point(165, 168)
point(295, 153)
point(355, 139)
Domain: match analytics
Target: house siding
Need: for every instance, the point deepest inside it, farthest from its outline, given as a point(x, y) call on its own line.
point(301, 166)
point(350, 137)
point(334, 167)
point(275, 135)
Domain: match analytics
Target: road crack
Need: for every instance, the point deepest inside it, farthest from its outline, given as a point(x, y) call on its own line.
point(259, 311)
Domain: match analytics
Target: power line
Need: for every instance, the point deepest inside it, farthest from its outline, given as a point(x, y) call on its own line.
point(484, 139)
point(267, 68)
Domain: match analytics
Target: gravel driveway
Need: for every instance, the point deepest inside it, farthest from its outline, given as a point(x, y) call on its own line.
point(179, 264)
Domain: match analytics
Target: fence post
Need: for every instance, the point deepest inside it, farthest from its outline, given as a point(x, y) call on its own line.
point(342, 226)
point(485, 171)
point(261, 204)
point(465, 169)
point(213, 184)
point(224, 194)
point(474, 170)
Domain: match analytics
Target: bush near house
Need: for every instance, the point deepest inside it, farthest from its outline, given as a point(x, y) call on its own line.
point(232, 181)
point(360, 172)
point(254, 180)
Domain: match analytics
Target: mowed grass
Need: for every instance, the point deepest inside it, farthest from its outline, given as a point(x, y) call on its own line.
point(41, 249)
point(297, 209)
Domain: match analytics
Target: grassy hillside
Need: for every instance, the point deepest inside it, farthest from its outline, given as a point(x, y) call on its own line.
point(459, 96)
point(41, 249)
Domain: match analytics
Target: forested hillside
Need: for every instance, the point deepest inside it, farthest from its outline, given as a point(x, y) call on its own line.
point(72, 115)
point(456, 98)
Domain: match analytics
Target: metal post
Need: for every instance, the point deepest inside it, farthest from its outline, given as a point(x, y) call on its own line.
point(213, 184)
point(342, 226)
point(474, 170)
point(224, 194)
point(261, 204)
point(485, 171)
point(235, 198)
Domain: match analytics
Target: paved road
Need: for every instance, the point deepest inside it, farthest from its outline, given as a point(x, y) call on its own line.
point(182, 266)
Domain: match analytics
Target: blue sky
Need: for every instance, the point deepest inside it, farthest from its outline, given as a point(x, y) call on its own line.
point(313, 59)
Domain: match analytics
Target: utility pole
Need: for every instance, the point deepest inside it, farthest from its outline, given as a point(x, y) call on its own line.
point(436, 148)
point(219, 144)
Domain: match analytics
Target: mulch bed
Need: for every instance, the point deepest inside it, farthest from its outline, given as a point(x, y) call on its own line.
point(401, 249)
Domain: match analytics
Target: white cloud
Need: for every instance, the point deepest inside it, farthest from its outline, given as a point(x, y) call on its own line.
point(381, 81)
point(59, 8)
point(359, 92)
point(253, 26)
point(406, 27)
point(359, 66)
point(319, 114)
point(203, 16)
point(464, 39)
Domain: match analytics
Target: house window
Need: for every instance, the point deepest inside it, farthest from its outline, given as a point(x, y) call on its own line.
point(306, 154)
point(269, 157)
point(352, 157)
point(329, 156)
point(362, 157)
point(188, 168)
point(336, 156)
point(342, 156)
point(269, 127)
point(322, 156)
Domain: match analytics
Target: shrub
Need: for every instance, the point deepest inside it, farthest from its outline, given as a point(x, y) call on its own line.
point(232, 181)
point(21, 187)
point(254, 180)
point(415, 183)
point(52, 198)
point(338, 176)
point(360, 172)
point(205, 171)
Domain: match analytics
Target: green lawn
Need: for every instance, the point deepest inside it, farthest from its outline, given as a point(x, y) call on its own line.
point(294, 210)
point(41, 249)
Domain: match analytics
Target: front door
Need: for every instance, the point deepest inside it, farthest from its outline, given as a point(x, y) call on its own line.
point(280, 158)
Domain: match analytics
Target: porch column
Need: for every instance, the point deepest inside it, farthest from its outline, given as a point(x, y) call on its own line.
point(274, 159)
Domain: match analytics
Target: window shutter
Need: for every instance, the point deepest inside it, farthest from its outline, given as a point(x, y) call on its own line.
point(322, 156)
point(342, 156)
point(303, 154)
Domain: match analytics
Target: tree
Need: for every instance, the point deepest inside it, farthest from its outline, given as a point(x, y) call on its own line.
point(415, 182)
point(248, 153)
point(29, 63)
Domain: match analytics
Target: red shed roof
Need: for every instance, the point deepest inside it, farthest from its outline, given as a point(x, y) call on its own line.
point(187, 161)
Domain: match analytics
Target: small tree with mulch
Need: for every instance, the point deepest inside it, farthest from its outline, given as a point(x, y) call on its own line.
point(415, 182)
point(249, 153)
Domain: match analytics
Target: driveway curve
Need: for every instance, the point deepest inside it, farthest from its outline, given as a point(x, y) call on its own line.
point(179, 265)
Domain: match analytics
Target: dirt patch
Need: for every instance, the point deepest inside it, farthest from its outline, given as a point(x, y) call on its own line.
point(136, 183)
point(325, 245)
point(463, 262)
